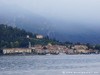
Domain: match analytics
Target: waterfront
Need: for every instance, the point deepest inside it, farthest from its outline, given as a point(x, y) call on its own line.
point(50, 65)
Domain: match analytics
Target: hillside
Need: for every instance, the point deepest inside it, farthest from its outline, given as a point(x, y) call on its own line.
point(11, 37)
point(24, 19)
point(54, 28)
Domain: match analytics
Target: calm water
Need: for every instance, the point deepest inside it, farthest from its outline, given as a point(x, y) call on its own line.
point(50, 65)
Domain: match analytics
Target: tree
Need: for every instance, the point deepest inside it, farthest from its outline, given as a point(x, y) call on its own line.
point(89, 46)
point(16, 44)
point(97, 47)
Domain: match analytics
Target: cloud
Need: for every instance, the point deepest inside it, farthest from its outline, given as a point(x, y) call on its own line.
point(86, 11)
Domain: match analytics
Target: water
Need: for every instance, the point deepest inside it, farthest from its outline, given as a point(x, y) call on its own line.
point(50, 65)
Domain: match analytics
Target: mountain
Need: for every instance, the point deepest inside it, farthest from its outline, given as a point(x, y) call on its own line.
point(61, 30)
point(24, 19)
point(76, 32)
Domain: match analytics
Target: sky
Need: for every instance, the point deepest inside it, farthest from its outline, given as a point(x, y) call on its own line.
point(80, 11)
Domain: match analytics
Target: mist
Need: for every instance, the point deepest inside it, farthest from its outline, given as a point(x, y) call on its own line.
point(82, 11)
point(74, 17)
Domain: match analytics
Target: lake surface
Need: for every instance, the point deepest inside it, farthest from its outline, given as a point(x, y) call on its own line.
point(50, 65)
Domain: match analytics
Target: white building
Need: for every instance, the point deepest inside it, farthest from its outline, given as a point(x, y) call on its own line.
point(16, 50)
point(39, 36)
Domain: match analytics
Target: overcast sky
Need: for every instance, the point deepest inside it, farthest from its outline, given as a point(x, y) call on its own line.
point(84, 11)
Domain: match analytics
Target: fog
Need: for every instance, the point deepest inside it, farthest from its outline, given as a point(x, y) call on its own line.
point(72, 20)
point(79, 11)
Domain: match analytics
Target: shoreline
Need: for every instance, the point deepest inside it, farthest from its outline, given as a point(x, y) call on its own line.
point(45, 55)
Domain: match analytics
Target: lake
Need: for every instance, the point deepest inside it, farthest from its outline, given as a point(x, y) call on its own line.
point(50, 65)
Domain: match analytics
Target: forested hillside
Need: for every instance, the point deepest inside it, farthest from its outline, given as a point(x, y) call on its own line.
point(11, 37)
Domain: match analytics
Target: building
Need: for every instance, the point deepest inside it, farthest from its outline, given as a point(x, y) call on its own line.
point(39, 50)
point(16, 50)
point(94, 51)
point(28, 36)
point(70, 51)
point(39, 36)
point(82, 51)
point(77, 47)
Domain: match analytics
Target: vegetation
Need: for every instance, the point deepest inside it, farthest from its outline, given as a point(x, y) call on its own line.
point(97, 47)
point(12, 37)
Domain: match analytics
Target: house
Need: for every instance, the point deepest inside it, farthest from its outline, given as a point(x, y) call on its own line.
point(56, 48)
point(62, 49)
point(82, 51)
point(16, 50)
point(70, 51)
point(94, 51)
point(77, 47)
point(39, 36)
point(39, 50)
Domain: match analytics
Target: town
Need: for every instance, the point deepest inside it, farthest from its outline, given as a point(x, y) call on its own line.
point(23, 42)
point(50, 49)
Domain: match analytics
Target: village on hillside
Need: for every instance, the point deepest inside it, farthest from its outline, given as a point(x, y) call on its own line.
point(50, 49)
point(23, 42)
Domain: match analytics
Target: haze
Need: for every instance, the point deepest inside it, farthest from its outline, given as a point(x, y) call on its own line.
point(69, 19)
point(84, 11)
